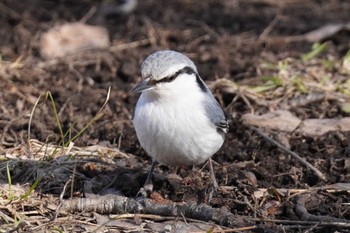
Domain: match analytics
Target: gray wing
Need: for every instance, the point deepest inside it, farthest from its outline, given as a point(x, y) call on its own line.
point(215, 113)
point(212, 107)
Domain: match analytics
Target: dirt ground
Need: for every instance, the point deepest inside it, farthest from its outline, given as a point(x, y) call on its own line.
point(249, 52)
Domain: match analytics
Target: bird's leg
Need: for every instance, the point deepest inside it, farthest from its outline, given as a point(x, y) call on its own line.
point(212, 175)
point(212, 186)
point(150, 173)
point(148, 185)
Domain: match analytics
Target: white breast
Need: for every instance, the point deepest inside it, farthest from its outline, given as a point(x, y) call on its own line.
point(173, 128)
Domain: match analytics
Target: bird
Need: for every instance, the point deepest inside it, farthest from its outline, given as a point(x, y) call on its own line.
point(177, 119)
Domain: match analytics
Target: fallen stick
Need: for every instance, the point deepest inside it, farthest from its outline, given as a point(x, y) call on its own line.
point(285, 221)
point(303, 214)
point(114, 204)
point(292, 153)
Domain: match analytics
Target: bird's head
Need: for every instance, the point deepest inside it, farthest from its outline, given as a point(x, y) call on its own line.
point(166, 71)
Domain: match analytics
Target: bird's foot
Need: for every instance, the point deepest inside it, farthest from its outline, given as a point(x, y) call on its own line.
point(147, 188)
point(145, 191)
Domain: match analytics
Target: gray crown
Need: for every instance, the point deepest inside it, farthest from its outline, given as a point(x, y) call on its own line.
point(156, 64)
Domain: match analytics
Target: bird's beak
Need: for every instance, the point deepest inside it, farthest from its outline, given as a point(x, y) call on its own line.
point(141, 86)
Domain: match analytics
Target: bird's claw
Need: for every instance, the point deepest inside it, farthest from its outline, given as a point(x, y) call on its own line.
point(145, 191)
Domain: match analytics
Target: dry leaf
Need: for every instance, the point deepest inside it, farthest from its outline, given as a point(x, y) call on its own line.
point(326, 31)
point(284, 121)
point(318, 127)
point(70, 38)
point(280, 120)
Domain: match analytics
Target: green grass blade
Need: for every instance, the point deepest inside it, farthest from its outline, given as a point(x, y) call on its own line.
point(9, 180)
point(62, 139)
point(31, 189)
point(95, 118)
point(98, 115)
point(299, 84)
point(32, 114)
point(317, 48)
point(49, 95)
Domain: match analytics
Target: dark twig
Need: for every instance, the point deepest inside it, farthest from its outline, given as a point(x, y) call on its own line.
point(312, 228)
point(303, 214)
point(294, 222)
point(292, 153)
point(61, 199)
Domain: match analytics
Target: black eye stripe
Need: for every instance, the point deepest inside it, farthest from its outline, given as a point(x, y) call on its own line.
point(185, 70)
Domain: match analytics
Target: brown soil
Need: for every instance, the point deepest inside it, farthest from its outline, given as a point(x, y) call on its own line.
point(226, 39)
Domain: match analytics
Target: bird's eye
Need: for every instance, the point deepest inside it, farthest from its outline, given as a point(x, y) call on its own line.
point(171, 78)
point(152, 82)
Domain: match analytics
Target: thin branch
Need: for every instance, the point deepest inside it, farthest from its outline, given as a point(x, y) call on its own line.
point(292, 153)
point(303, 214)
point(134, 44)
point(285, 221)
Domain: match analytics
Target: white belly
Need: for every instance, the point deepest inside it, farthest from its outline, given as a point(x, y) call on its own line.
point(176, 133)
